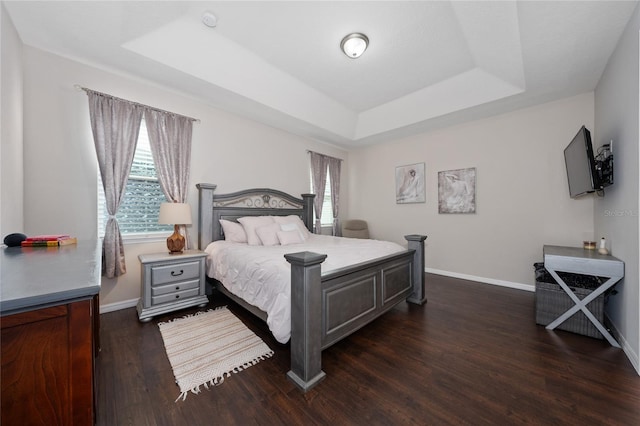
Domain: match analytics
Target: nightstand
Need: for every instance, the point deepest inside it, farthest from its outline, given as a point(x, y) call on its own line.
point(171, 282)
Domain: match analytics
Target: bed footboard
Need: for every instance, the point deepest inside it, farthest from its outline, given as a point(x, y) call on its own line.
point(325, 309)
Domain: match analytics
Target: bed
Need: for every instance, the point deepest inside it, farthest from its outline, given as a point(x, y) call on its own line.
point(325, 305)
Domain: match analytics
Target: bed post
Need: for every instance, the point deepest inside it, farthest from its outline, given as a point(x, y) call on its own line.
point(416, 242)
point(306, 319)
point(307, 200)
point(205, 214)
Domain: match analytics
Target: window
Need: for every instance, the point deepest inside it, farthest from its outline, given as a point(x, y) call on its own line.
point(138, 213)
point(327, 208)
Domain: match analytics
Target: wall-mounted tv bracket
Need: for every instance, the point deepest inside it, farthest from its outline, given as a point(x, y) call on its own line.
point(604, 165)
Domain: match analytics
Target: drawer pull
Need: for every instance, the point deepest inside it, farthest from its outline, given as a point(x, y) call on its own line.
point(174, 274)
point(177, 287)
point(177, 296)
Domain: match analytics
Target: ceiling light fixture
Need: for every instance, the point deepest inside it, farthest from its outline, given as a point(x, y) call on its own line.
point(354, 45)
point(209, 19)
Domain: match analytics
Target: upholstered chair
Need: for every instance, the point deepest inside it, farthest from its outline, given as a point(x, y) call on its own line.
point(355, 228)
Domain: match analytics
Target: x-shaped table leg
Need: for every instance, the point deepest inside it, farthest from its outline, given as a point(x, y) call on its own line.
point(581, 305)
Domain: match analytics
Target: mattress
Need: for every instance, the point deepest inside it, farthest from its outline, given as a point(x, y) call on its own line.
point(262, 277)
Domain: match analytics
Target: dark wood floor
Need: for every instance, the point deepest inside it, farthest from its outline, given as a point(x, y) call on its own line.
point(472, 355)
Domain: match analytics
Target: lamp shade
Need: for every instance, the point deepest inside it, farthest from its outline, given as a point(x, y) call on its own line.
point(175, 214)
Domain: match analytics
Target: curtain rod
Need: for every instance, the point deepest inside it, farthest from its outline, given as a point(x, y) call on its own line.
point(328, 156)
point(78, 87)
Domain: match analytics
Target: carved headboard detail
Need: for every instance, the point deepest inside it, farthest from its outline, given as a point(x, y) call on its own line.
point(257, 201)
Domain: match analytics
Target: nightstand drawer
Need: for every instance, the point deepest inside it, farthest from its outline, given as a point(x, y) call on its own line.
point(172, 297)
point(172, 288)
point(172, 273)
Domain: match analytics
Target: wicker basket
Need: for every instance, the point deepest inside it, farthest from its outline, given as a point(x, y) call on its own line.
point(552, 301)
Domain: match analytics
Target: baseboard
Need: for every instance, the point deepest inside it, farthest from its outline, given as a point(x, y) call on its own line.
point(116, 306)
point(492, 281)
point(628, 350)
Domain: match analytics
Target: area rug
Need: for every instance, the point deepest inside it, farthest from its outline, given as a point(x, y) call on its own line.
point(206, 347)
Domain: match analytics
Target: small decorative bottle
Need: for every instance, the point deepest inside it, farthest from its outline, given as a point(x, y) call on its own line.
point(603, 246)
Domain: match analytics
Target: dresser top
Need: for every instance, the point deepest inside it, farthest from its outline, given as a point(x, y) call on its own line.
point(34, 277)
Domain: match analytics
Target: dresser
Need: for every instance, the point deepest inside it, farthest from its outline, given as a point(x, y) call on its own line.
point(171, 282)
point(50, 333)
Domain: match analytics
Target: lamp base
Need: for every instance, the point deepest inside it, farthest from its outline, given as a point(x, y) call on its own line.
point(175, 243)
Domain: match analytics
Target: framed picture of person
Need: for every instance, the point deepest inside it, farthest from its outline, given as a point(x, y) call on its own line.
point(410, 185)
point(457, 191)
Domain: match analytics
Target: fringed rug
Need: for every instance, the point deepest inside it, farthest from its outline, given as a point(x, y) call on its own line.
point(205, 347)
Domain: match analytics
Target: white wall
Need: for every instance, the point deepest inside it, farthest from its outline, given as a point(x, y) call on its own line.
point(11, 185)
point(60, 163)
point(522, 192)
point(616, 214)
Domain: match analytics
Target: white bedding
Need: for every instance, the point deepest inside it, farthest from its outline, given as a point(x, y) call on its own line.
point(261, 275)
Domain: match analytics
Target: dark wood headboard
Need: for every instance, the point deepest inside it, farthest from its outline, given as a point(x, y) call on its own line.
point(249, 202)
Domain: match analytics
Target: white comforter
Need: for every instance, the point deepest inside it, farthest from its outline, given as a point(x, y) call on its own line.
point(261, 275)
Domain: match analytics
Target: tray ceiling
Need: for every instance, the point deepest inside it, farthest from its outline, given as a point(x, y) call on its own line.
point(429, 63)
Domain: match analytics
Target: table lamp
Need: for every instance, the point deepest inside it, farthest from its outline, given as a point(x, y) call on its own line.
point(175, 214)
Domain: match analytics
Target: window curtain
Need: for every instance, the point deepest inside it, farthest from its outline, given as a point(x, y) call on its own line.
point(115, 124)
point(170, 140)
point(318, 181)
point(334, 176)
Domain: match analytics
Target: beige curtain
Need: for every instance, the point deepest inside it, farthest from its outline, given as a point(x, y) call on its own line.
point(170, 140)
point(115, 124)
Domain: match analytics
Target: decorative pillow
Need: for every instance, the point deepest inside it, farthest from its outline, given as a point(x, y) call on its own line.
point(233, 231)
point(295, 220)
point(250, 223)
point(268, 234)
point(289, 237)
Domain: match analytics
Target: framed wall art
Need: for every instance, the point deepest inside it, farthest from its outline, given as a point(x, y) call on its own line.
point(457, 191)
point(410, 184)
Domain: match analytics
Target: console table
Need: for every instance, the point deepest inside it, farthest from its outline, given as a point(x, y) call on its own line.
point(586, 262)
point(49, 332)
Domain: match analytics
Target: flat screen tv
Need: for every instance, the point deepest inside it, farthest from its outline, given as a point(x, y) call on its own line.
point(587, 172)
point(581, 165)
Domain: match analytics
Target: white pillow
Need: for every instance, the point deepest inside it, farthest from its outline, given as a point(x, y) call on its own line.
point(250, 223)
point(233, 231)
point(268, 234)
point(289, 237)
point(286, 222)
point(292, 227)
